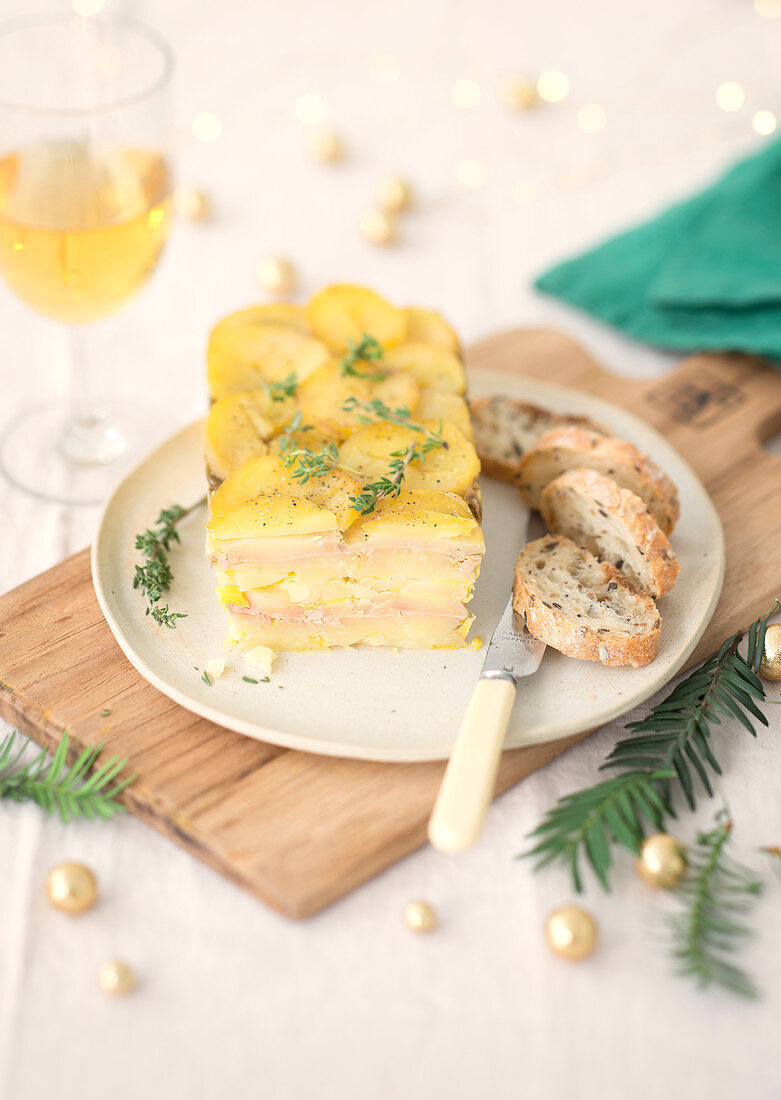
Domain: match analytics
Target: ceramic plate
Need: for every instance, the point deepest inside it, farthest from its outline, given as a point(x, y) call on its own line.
point(372, 703)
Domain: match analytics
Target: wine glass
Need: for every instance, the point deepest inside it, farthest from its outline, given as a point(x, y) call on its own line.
point(85, 208)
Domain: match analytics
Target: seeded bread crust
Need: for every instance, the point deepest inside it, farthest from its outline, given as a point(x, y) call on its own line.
point(614, 524)
point(565, 448)
point(505, 429)
point(583, 607)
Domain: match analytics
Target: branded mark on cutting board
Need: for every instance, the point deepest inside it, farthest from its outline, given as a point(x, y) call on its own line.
point(700, 403)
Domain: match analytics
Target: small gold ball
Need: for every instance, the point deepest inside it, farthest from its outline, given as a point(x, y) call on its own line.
point(116, 977)
point(770, 669)
point(72, 888)
point(191, 203)
point(324, 145)
point(419, 916)
point(277, 275)
point(519, 94)
point(662, 861)
point(394, 194)
point(571, 932)
point(378, 227)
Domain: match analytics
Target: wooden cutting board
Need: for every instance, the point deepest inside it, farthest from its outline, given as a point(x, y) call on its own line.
point(298, 830)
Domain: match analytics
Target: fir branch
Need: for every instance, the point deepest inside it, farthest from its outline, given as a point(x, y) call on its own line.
point(717, 892)
point(154, 578)
point(78, 792)
point(669, 749)
point(366, 350)
point(279, 391)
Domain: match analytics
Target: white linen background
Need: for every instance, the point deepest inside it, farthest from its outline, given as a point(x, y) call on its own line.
point(234, 1000)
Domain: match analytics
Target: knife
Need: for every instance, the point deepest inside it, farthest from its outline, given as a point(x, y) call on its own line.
point(470, 777)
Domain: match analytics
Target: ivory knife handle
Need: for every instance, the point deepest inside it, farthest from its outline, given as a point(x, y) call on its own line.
point(468, 784)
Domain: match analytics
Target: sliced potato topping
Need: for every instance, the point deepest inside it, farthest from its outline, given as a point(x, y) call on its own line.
point(424, 512)
point(430, 365)
point(238, 427)
point(447, 406)
point(431, 328)
point(323, 395)
point(266, 488)
point(248, 355)
point(368, 453)
point(345, 313)
point(275, 313)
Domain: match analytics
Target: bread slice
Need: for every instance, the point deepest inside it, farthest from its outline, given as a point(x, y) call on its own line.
point(565, 448)
point(505, 429)
point(584, 607)
point(614, 524)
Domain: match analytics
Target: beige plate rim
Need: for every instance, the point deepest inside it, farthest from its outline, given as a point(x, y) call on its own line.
point(160, 656)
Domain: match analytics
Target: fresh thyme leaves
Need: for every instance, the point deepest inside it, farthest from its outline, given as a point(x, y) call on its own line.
point(154, 577)
point(390, 485)
point(369, 411)
point(366, 350)
point(249, 680)
point(72, 793)
point(105, 712)
point(375, 491)
point(278, 391)
point(207, 679)
point(307, 462)
point(717, 892)
point(671, 746)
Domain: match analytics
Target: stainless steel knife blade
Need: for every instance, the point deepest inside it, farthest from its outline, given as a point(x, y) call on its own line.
point(512, 651)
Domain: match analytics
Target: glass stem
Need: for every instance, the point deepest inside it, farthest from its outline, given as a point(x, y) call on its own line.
point(89, 438)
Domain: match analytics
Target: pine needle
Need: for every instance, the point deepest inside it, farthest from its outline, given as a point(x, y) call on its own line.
point(75, 792)
point(669, 751)
point(717, 893)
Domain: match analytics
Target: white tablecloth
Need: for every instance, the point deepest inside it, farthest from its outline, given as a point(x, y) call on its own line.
point(233, 1000)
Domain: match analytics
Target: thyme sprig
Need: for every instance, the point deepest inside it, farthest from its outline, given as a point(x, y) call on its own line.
point(154, 577)
point(670, 749)
point(77, 792)
point(278, 391)
point(308, 462)
point(366, 350)
point(717, 893)
point(390, 485)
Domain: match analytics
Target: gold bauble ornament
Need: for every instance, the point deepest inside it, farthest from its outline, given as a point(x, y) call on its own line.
point(770, 669)
point(419, 916)
point(378, 227)
point(394, 194)
point(116, 977)
point(571, 932)
point(191, 203)
point(519, 94)
point(662, 861)
point(324, 145)
point(277, 275)
point(72, 888)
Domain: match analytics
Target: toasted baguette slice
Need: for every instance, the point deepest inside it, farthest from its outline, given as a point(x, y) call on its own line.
point(614, 524)
point(564, 448)
point(505, 429)
point(584, 607)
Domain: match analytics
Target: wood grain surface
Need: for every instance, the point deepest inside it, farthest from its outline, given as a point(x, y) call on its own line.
point(298, 830)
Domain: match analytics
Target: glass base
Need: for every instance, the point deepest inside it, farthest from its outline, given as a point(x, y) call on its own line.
point(43, 453)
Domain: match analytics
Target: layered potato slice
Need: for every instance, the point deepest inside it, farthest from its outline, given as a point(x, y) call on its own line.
point(248, 355)
point(343, 314)
point(239, 427)
point(339, 451)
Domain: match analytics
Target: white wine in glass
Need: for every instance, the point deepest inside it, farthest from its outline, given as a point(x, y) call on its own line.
point(85, 207)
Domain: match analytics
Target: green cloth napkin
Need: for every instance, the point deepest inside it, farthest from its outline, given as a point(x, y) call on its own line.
point(703, 276)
